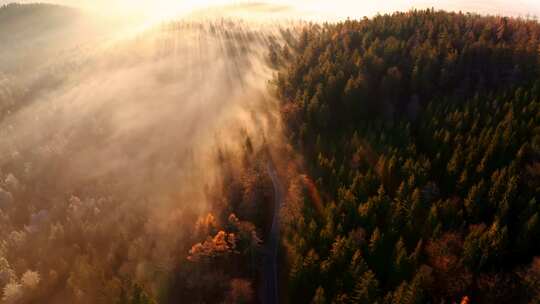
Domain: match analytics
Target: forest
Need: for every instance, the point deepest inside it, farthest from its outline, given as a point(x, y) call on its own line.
point(420, 134)
point(393, 159)
point(124, 178)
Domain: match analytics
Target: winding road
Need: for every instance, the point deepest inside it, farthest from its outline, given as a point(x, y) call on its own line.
point(270, 268)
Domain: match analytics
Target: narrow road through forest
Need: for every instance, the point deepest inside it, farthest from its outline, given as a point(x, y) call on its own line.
point(270, 275)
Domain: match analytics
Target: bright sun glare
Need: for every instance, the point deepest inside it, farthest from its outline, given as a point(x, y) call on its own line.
point(162, 9)
point(154, 10)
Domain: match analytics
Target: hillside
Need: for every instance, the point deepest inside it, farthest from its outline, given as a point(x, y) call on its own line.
point(134, 170)
point(421, 132)
point(241, 155)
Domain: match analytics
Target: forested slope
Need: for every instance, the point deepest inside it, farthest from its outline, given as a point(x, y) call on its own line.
point(421, 132)
point(129, 169)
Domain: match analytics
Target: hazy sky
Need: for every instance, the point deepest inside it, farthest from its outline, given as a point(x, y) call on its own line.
point(331, 9)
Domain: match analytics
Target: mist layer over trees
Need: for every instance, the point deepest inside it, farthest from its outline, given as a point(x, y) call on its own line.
point(117, 158)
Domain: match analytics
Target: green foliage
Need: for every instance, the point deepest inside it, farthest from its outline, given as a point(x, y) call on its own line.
point(421, 129)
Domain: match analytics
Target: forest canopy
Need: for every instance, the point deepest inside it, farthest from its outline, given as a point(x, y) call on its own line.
point(421, 132)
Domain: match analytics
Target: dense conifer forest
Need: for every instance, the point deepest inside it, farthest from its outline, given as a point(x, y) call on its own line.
point(420, 131)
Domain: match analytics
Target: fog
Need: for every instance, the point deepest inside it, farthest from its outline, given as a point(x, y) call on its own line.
point(309, 9)
point(111, 150)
